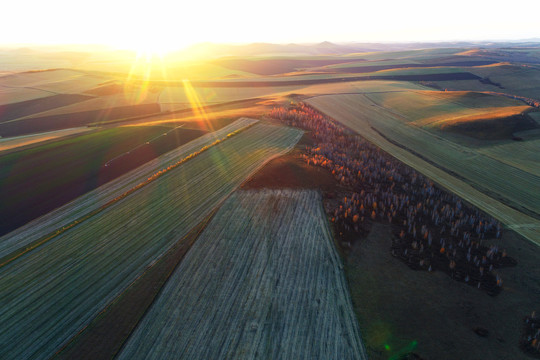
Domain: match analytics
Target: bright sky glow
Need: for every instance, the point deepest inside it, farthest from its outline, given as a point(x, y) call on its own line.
point(164, 25)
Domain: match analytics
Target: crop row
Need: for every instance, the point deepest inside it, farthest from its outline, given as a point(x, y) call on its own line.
point(45, 226)
point(51, 293)
point(263, 281)
point(519, 188)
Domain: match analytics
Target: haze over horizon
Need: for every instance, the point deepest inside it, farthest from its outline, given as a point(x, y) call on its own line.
point(166, 25)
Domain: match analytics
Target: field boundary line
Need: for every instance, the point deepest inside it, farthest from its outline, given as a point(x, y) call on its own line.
point(18, 253)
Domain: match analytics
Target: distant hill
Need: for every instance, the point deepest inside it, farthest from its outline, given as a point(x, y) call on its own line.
point(211, 50)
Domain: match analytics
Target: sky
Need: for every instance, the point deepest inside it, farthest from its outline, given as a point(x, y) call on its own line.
point(165, 25)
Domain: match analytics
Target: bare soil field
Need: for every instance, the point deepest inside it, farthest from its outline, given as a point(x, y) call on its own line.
point(431, 315)
point(517, 187)
point(291, 171)
point(67, 282)
point(262, 281)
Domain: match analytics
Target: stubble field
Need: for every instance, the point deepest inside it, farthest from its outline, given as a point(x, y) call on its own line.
point(262, 281)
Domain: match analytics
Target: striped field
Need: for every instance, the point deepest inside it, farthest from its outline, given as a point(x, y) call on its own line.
point(263, 281)
point(52, 292)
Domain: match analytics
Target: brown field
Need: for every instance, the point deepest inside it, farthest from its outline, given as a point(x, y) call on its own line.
point(291, 171)
point(517, 187)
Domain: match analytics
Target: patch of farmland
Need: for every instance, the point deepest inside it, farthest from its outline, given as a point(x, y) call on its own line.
point(421, 69)
point(12, 143)
point(57, 81)
point(535, 116)
point(65, 121)
point(514, 79)
point(32, 184)
point(521, 154)
point(368, 64)
point(263, 281)
point(30, 107)
point(277, 66)
point(412, 55)
point(476, 115)
point(105, 193)
point(418, 105)
point(12, 95)
point(54, 291)
point(360, 87)
point(307, 80)
point(199, 70)
point(205, 96)
point(497, 186)
point(102, 103)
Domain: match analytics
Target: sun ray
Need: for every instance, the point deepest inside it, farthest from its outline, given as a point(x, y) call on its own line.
point(196, 106)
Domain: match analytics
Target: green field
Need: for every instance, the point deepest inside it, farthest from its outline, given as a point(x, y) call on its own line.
point(100, 196)
point(438, 109)
point(39, 179)
point(65, 283)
